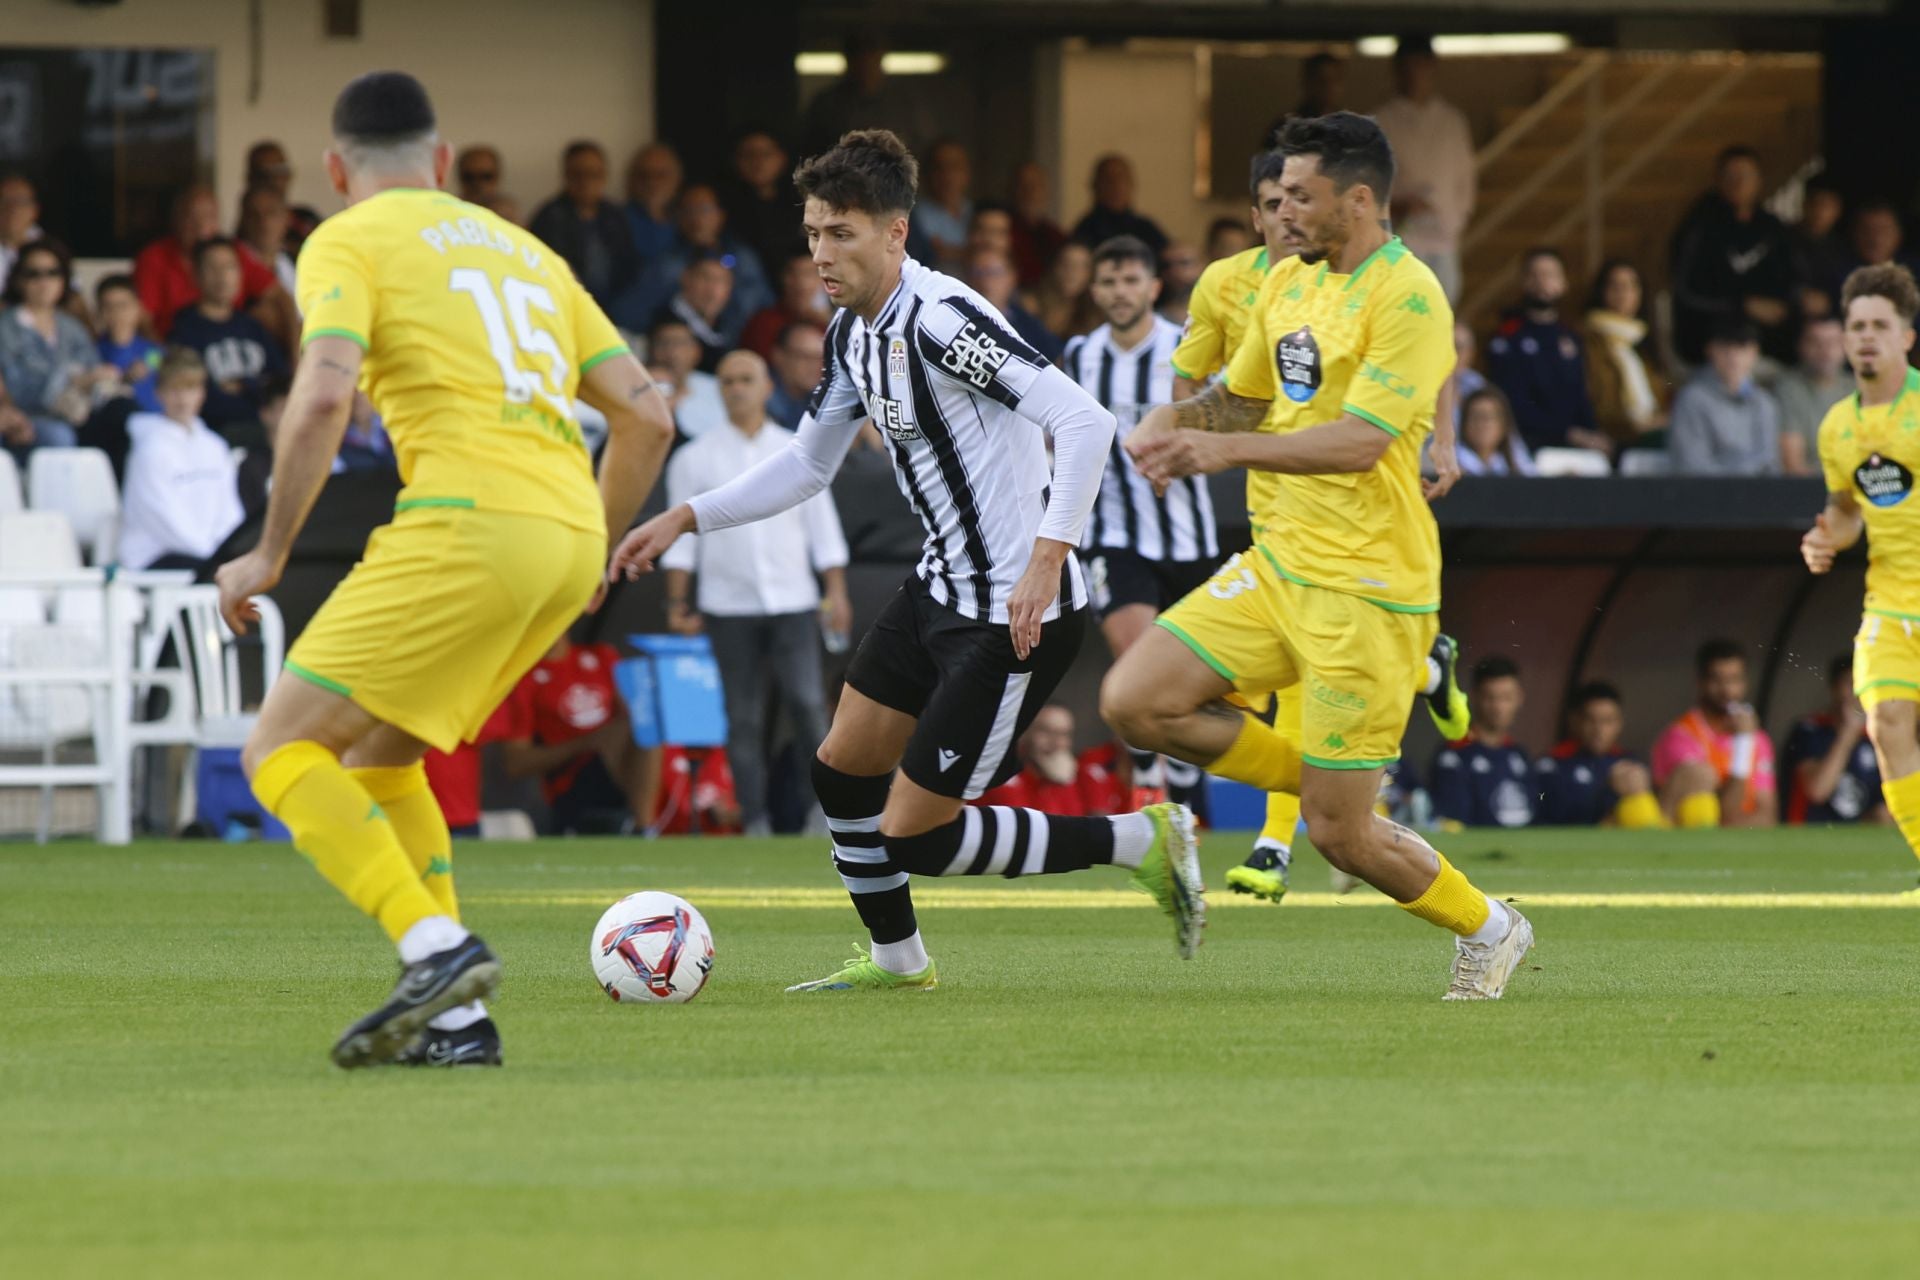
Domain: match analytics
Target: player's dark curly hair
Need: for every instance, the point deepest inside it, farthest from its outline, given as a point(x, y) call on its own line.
point(1352, 148)
point(1890, 281)
point(870, 170)
point(1127, 249)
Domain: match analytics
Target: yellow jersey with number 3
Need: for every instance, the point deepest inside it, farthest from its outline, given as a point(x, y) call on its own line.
point(1873, 453)
point(1377, 344)
point(1217, 314)
point(475, 335)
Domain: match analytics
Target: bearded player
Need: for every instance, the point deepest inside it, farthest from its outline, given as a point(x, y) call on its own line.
point(1348, 347)
point(1223, 300)
point(472, 338)
point(1870, 453)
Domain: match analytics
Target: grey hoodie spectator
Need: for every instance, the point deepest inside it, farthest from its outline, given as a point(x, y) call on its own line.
point(1724, 424)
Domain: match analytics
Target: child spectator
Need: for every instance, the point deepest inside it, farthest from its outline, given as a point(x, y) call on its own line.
point(123, 341)
point(239, 353)
point(181, 500)
point(1489, 445)
point(1829, 771)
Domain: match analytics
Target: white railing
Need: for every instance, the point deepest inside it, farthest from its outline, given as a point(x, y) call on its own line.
point(80, 650)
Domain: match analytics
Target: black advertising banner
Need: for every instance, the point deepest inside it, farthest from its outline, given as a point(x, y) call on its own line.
point(107, 137)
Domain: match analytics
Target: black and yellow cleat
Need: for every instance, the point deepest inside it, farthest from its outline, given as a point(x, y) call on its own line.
point(1448, 703)
point(1262, 875)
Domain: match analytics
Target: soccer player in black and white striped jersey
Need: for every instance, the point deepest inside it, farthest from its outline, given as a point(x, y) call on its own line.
point(967, 652)
point(1143, 550)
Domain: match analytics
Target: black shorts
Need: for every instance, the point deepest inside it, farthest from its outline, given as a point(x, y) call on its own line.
point(960, 679)
point(1117, 578)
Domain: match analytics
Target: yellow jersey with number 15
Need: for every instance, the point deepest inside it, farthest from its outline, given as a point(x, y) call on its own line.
point(1377, 344)
point(476, 335)
point(1217, 312)
point(1873, 453)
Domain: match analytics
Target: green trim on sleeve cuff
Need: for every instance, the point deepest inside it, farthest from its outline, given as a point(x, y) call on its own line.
point(600, 356)
point(1179, 372)
point(1199, 650)
point(313, 677)
point(1901, 617)
point(349, 334)
point(1882, 684)
point(1319, 762)
point(1364, 416)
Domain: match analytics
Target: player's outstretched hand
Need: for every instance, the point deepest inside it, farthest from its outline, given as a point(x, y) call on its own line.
point(1819, 546)
point(643, 547)
point(253, 574)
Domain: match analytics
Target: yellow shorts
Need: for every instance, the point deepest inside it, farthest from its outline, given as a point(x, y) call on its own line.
point(1886, 659)
point(445, 612)
point(1352, 667)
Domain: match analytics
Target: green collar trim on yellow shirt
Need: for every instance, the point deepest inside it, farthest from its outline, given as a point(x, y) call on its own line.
point(1909, 383)
point(1392, 251)
point(1260, 263)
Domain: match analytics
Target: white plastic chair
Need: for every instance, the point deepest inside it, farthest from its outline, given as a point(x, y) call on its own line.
point(1572, 462)
point(37, 542)
point(12, 496)
point(80, 484)
point(48, 717)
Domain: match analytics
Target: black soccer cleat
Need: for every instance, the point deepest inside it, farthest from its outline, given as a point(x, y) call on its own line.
point(474, 1045)
point(458, 975)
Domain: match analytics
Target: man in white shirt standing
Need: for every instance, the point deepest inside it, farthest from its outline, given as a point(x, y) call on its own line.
point(1435, 183)
point(181, 496)
point(758, 598)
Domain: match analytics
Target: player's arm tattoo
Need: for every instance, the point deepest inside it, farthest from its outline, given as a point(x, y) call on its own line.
point(337, 367)
point(1218, 409)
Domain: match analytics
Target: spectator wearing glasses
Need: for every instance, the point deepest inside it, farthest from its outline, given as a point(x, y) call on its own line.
point(478, 171)
point(585, 228)
point(51, 371)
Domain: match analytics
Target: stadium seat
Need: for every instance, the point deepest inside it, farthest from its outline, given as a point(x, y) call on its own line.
point(12, 497)
point(37, 542)
point(78, 483)
point(1572, 462)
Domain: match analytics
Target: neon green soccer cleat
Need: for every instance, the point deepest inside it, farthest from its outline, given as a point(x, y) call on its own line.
point(1170, 874)
point(862, 974)
point(1266, 883)
point(1448, 704)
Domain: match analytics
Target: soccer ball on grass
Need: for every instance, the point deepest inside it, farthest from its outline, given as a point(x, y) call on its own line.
point(651, 948)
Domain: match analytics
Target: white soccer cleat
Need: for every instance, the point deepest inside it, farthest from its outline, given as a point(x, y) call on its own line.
point(1341, 882)
point(1481, 969)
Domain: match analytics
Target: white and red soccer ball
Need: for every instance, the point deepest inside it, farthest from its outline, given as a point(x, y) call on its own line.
point(651, 948)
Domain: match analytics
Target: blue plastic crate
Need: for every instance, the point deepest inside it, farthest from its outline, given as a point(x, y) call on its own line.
point(673, 692)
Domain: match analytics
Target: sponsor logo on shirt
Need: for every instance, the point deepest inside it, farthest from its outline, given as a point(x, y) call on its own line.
point(1298, 358)
point(891, 417)
point(974, 355)
point(1882, 481)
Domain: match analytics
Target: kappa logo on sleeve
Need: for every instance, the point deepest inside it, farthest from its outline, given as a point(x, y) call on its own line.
point(974, 356)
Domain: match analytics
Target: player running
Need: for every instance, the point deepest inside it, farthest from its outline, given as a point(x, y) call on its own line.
point(1348, 346)
point(1869, 451)
point(1142, 550)
point(1223, 301)
point(971, 646)
point(472, 338)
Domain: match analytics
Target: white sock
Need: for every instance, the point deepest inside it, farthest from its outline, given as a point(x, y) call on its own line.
point(434, 933)
point(1132, 836)
point(907, 956)
point(1434, 675)
point(464, 1015)
point(1499, 920)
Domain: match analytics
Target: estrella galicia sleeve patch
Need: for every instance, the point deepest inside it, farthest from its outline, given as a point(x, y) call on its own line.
point(1882, 481)
point(1297, 356)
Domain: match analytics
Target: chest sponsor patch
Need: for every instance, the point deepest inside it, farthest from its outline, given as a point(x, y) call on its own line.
point(1882, 481)
point(1298, 358)
point(891, 417)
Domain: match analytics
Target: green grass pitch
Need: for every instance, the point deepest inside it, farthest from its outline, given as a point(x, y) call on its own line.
point(1709, 1067)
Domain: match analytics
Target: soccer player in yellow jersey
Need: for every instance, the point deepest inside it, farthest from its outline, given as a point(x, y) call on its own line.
point(1870, 453)
point(471, 338)
point(1348, 346)
point(1223, 301)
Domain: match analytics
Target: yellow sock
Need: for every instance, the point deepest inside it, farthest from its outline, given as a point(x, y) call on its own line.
point(1699, 810)
point(1283, 818)
point(1451, 901)
point(1260, 758)
point(414, 811)
point(1639, 812)
point(338, 826)
point(1903, 802)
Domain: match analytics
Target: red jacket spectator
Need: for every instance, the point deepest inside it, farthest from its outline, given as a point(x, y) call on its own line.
point(567, 724)
point(1094, 791)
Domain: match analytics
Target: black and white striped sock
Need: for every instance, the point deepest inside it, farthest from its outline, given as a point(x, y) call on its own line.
point(1148, 768)
point(1000, 841)
point(1183, 780)
point(878, 888)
